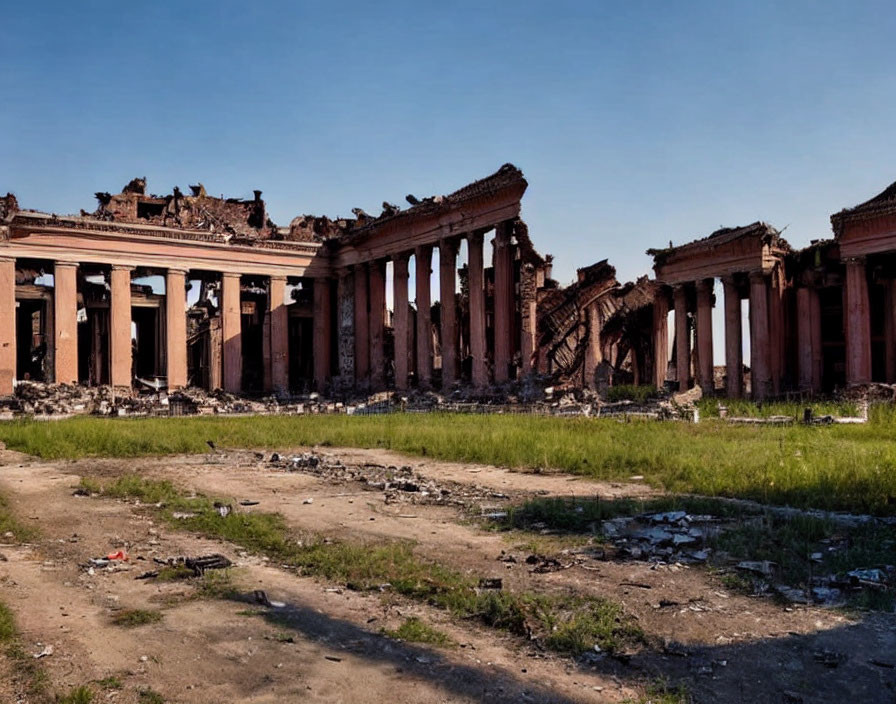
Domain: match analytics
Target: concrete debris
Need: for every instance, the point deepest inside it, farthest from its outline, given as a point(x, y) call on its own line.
point(671, 536)
point(398, 484)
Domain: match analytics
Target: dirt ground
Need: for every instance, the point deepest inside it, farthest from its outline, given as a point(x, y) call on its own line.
point(326, 643)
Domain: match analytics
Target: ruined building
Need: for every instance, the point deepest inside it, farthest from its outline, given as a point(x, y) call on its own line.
point(251, 307)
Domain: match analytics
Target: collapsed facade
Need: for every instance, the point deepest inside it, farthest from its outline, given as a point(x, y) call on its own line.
point(250, 307)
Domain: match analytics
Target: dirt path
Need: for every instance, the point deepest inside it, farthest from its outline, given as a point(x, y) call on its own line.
point(725, 646)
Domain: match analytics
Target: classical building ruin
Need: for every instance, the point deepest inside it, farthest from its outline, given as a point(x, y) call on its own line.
point(251, 307)
point(274, 309)
point(819, 318)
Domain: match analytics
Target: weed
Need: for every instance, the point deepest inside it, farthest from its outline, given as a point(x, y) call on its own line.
point(631, 392)
point(413, 630)
point(130, 618)
point(10, 524)
point(150, 696)
point(110, 682)
point(7, 625)
point(664, 693)
point(79, 695)
point(216, 584)
point(176, 573)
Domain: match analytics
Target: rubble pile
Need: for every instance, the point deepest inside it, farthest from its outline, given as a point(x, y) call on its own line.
point(398, 484)
point(671, 536)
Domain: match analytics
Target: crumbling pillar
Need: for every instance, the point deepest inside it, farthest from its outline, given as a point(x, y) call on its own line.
point(377, 276)
point(682, 338)
point(705, 374)
point(890, 330)
point(593, 352)
point(176, 328)
point(476, 284)
point(777, 327)
point(734, 355)
point(279, 335)
point(400, 319)
point(423, 264)
point(120, 326)
point(660, 337)
point(345, 297)
point(322, 332)
point(858, 323)
point(528, 317)
point(7, 325)
point(65, 316)
point(760, 351)
point(362, 328)
point(447, 287)
point(503, 301)
point(809, 339)
point(231, 332)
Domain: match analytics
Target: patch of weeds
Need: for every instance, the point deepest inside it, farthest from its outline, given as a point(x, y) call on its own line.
point(150, 696)
point(216, 584)
point(663, 693)
point(7, 625)
point(110, 682)
point(90, 485)
point(873, 600)
point(631, 392)
point(737, 582)
point(79, 695)
point(175, 574)
point(9, 523)
point(413, 630)
point(130, 618)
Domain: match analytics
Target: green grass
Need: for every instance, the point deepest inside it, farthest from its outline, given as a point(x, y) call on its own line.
point(630, 392)
point(111, 682)
point(9, 523)
point(150, 696)
point(832, 467)
point(413, 630)
point(664, 693)
point(565, 623)
point(740, 408)
point(130, 618)
point(79, 695)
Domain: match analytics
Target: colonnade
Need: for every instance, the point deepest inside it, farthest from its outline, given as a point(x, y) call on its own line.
point(65, 328)
point(370, 313)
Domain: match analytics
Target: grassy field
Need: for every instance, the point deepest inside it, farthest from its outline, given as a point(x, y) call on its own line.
point(832, 467)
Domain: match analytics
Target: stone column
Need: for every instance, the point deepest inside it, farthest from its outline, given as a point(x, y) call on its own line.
point(777, 329)
point(760, 351)
point(176, 327)
point(7, 325)
point(279, 316)
point(528, 317)
point(476, 283)
point(362, 329)
point(447, 288)
point(858, 323)
point(322, 333)
point(120, 326)
point(503, 302)
point(593, 352)
point(400, 319)
point(890, 330)
point(423, 263)
point(682, 338)
point(808, 338)
point(734, 355)
point(377, 275)
point(345, 315)
point(65, 317)
point(231, 332)
point(705, 364)
point(660, 337)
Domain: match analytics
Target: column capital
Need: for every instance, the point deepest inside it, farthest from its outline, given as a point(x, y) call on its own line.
point(705, 284)
point(728, 280)
point(230, 275)
point(478, 237)
point(73, 265)
point(277, 277)
point(855, 261)
point(5, 258)
point(122, 267)
point(179, 272)
point(401, 257)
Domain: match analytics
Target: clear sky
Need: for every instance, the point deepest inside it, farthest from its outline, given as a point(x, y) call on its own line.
point(636, 123)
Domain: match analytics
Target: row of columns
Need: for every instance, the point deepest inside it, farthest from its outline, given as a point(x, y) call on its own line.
point(761, 332)
point(65, 303)
point(369, 313)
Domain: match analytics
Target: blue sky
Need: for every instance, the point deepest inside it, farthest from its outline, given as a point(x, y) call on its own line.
point(636, 123)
